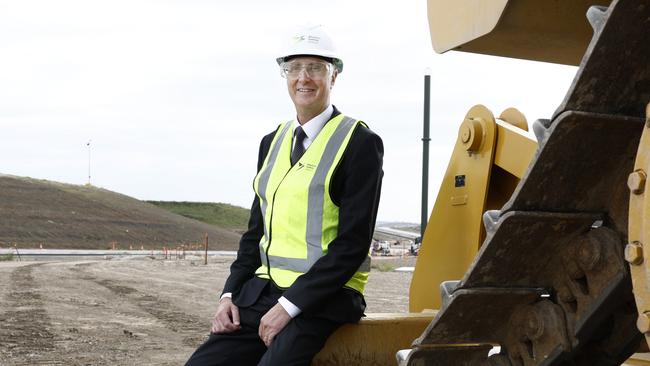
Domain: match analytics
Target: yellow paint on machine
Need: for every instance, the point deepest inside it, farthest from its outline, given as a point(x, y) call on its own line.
point(489, 158)
point(639, 230)
point(374, 340)
point(638, 359)
point(539, 30)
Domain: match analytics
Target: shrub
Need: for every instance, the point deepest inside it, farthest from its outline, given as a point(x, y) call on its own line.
point(383, 267)
point(6, 257)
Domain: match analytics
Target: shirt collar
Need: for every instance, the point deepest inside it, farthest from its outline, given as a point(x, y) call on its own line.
point(314, 125)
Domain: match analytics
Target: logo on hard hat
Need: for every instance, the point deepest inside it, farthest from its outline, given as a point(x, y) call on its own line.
point(310, 39)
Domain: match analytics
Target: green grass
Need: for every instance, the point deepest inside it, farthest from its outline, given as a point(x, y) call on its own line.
point(7, 257)
point(221, 215)
point(383, 267)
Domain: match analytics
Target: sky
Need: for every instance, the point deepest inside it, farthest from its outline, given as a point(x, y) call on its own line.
point(174, 96)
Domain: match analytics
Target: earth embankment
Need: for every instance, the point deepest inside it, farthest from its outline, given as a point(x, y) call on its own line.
point(55, 215)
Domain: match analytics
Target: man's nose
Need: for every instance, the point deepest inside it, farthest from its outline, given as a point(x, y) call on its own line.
point(303, 75)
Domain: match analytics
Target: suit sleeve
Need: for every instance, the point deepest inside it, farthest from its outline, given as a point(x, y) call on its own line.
point(248, 254)
point(356, 187)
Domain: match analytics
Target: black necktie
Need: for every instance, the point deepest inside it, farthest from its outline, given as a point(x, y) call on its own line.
point(298, 147)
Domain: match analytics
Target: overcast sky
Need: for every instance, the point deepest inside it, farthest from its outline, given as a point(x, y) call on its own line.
point(175, 95)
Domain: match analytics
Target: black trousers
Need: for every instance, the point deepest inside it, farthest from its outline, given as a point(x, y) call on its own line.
point(296, 344)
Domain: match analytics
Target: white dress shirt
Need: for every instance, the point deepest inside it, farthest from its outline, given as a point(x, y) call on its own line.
point(311, 128)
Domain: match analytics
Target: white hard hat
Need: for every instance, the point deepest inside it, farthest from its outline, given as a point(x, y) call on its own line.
point(311, 41)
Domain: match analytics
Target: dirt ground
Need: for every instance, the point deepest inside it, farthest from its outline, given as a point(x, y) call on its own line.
point(129, 311)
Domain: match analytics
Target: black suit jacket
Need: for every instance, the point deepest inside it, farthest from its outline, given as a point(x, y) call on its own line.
point(355, 188)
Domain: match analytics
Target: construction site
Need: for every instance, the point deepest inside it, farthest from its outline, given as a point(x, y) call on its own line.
point(533, 253)
point(128, 311)
point(78, 287)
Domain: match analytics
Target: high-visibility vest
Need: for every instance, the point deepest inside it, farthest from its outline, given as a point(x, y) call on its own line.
point(300, 218)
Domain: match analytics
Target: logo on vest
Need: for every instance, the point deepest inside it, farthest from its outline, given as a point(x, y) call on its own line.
point(306, 166)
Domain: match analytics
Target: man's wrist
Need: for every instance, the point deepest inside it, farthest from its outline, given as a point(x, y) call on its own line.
point(289, 307)
point(226, 295)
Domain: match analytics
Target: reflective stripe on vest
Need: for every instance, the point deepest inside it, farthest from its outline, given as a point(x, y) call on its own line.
point(285, 255)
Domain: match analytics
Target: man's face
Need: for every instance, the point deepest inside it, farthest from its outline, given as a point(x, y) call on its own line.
point(309, 80)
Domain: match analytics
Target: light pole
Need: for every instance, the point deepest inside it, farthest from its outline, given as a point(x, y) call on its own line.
point(88, 144)
point(425, 153)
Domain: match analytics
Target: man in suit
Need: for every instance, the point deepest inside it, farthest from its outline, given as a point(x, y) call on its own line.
point(304, 261)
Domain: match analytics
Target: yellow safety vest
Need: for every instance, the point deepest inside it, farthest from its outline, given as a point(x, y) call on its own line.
point(300, 218)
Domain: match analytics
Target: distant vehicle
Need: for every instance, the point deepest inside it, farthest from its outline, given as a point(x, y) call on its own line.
point(415, 249)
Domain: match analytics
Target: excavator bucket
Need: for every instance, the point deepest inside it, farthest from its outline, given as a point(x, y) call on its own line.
point(542, 30)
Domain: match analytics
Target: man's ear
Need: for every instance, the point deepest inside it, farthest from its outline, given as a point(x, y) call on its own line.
point(334, 75)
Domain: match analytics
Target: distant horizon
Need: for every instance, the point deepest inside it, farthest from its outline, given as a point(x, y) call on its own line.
point(174, 201)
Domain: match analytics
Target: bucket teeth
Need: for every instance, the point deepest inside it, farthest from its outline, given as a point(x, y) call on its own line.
point(490, 220)
point(540, 128)
point(596, 15)
point(447, 289)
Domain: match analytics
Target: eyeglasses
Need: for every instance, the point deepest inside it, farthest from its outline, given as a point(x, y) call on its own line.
point(315, 70)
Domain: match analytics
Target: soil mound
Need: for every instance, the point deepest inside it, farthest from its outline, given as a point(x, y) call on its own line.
point(57, 215)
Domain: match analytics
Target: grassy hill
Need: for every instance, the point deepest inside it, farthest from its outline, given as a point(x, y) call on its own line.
point(218, 214)
point(57, 215)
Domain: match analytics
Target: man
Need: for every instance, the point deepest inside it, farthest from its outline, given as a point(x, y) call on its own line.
point(303, 263)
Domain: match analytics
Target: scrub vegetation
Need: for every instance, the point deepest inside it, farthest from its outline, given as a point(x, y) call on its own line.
point(383, 266)
point(223, 215)
point(7, 257)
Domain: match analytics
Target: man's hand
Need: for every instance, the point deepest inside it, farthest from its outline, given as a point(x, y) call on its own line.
point(272, 323)
point(226, 318)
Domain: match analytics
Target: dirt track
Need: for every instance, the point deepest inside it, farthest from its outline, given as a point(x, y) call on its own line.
point(125, 312)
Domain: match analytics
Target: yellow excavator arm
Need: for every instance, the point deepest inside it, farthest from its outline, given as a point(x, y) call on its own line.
point(490, 156)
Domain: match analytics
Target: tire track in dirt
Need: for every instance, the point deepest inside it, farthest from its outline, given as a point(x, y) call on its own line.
point(193, 328)
point(25, 328)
